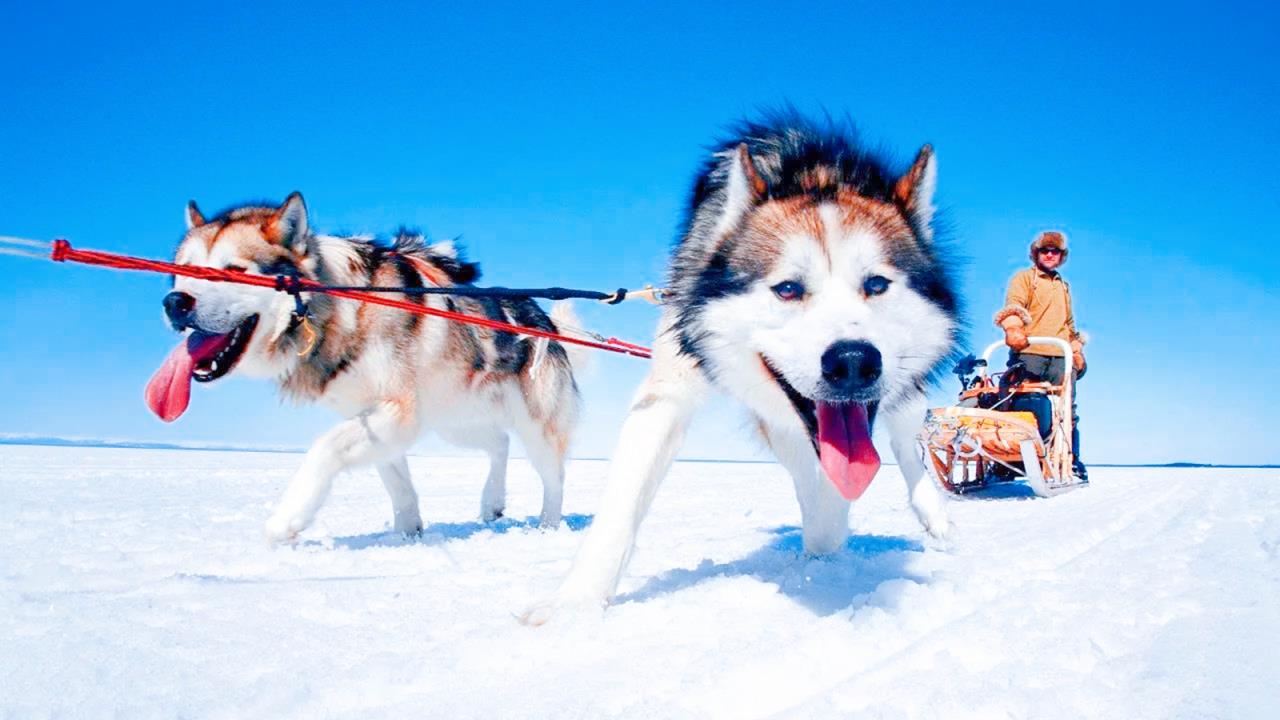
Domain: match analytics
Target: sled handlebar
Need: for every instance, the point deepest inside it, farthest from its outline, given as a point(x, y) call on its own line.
point(1063, 417)
point(1034, 340)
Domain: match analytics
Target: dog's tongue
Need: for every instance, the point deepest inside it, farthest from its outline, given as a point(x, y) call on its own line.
point(845, 449)
point(169, 391)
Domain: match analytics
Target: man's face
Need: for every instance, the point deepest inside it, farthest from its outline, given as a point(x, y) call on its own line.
point(1049, 258)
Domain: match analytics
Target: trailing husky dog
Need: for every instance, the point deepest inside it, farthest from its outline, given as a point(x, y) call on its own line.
point(391, 374)
point(808, 285)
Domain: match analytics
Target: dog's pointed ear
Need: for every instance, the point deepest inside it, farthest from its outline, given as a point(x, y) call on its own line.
point(743, 190)
point(749, 175)
point(288, 224)
point(194, 218)
point(914, 190)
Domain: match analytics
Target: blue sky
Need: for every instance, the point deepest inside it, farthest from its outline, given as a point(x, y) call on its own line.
point(559, 144)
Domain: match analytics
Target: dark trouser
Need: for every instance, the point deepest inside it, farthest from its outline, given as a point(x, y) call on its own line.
point(1042, 368)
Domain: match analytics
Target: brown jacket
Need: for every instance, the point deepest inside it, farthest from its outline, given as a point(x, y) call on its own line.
point(1045, 298)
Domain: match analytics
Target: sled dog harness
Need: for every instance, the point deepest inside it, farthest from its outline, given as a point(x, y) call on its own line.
point(62, 251)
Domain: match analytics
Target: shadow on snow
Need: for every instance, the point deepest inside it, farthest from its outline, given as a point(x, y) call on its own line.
point(826, 585)
point(1001, 491)
point(437, 533)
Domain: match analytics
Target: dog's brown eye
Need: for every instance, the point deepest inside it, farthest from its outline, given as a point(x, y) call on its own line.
point(875, 285)
point(788, 290)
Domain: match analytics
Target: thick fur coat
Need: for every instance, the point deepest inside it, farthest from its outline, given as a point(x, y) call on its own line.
point(810, 285)
point(392, 375)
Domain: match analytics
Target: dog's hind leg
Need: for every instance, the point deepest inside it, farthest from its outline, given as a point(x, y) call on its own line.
point(493, 500)
point(495, 443)
point(650, 437)
point(404, 500)
point(824, 514)
point(546, 450)
point(376, 435)
point(904, 422)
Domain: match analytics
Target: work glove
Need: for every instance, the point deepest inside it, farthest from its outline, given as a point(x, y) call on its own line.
point(1016, 339)
point(1015, 336)
point(1013, 320)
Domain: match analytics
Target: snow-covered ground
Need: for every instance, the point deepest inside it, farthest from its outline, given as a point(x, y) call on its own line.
point(136, 583)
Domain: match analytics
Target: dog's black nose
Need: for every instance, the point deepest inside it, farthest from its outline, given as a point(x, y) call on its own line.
point(851, 366)
point(180, 309)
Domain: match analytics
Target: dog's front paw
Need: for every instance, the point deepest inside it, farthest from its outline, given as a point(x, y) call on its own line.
point(283, 529)
point(935, 521)
point(539, 614)
point(931, 509)
point(560, 609)
point(408, 526)
point(942, 529)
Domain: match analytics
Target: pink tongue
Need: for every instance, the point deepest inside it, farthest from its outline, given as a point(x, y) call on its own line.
point(169, 391)
point(845, 449)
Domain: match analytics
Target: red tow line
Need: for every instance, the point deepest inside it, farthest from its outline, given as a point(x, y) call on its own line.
point(63, 252)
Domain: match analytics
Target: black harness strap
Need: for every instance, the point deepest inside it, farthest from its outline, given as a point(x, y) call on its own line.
point(289, 284)
point(550, 293)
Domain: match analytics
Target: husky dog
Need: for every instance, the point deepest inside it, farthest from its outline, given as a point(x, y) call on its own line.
point(391, 374)
point(807, 284)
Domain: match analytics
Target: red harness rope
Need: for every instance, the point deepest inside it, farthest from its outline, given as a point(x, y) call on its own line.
point(63, 252)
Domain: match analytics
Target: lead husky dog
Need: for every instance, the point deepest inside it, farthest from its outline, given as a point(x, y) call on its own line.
point(390, 373)
point(808, 285)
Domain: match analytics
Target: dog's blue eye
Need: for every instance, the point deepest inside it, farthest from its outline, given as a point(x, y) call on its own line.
point(788, 290)
point(875, 285)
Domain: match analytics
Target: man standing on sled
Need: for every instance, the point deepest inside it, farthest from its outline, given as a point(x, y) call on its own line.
point(1038, 302)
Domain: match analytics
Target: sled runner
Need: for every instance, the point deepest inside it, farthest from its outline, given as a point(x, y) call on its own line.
point(990, 437)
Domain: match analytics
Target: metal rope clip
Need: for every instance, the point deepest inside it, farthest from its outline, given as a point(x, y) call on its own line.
point(301, 314)
point(311, 335)
point(650, 294)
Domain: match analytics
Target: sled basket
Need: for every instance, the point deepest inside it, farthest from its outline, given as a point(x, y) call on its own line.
point(972, 448)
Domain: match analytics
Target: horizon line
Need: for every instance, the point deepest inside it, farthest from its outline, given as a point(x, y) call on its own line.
point(121, 444)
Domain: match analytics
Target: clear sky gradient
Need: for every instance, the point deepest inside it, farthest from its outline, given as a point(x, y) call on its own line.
point(559, 143)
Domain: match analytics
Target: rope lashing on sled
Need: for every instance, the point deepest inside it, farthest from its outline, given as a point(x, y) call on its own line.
point(61, 251)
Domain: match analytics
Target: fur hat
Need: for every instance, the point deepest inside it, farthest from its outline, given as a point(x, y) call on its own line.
point(1049, 238)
